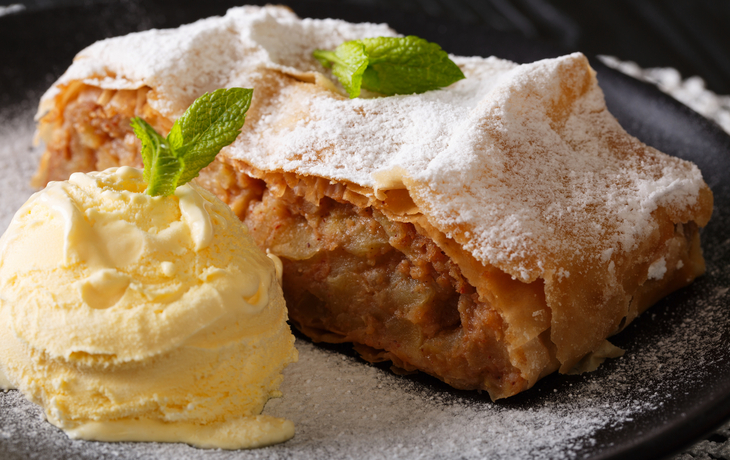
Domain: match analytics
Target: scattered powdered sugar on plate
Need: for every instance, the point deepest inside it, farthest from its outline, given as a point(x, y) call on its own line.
point(345, 408)
point(690, 91)
point(18, 160)
point(367, 410)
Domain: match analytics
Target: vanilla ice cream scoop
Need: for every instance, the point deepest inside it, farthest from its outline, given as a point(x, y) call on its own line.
point(140, 318)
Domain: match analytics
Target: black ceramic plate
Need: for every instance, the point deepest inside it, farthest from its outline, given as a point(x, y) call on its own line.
point(674, 381)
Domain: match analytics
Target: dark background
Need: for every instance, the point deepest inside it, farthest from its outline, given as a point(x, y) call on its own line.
point(692, 36)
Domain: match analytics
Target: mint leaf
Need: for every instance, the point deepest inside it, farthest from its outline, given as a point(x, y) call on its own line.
point(349, 62)
point(161, 167)
point(326, 58)
point(407, 65)
point(388, 65)
point(211, 123)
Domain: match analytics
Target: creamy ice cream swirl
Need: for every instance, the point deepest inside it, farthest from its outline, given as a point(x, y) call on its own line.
point(126, 310)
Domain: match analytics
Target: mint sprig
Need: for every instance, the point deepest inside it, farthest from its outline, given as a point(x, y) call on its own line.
point(211, 123)
point(390, 65)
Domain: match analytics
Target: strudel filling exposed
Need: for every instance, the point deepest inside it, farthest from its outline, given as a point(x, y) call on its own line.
point(488, 233)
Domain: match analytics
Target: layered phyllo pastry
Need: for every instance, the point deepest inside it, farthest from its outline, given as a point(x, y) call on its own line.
point(487, 233)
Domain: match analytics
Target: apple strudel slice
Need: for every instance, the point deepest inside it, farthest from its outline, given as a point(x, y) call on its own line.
point(488, 233)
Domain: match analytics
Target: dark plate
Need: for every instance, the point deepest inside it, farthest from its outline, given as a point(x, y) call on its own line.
point(676, 368)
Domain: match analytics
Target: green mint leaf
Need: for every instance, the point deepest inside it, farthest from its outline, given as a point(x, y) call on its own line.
point(326, 58)
point(165, 176)
point(402, 65)
point(161, 167)
point(348, 62)
point(211, 123)
point(407, 65)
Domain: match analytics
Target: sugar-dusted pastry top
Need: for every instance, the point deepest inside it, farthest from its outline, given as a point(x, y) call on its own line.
point(509, 162)
point(183, 63)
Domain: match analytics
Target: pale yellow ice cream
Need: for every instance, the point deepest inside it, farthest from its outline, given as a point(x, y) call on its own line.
point(131, 317)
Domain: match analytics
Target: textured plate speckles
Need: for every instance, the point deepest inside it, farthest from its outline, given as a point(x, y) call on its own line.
point(671, 387)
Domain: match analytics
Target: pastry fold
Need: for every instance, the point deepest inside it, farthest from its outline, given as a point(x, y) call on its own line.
point(488, 233)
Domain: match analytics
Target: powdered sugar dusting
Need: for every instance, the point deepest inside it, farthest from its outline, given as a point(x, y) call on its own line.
point(657, 269)
point(18, 159)
point(509, 161)
point(412, 129)
point(181, 64)
point(531, 178)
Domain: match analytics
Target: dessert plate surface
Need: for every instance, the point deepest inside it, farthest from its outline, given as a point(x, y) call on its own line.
point(670, 388)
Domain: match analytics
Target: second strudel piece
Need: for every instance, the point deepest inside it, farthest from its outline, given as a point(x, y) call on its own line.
point(488, 233)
